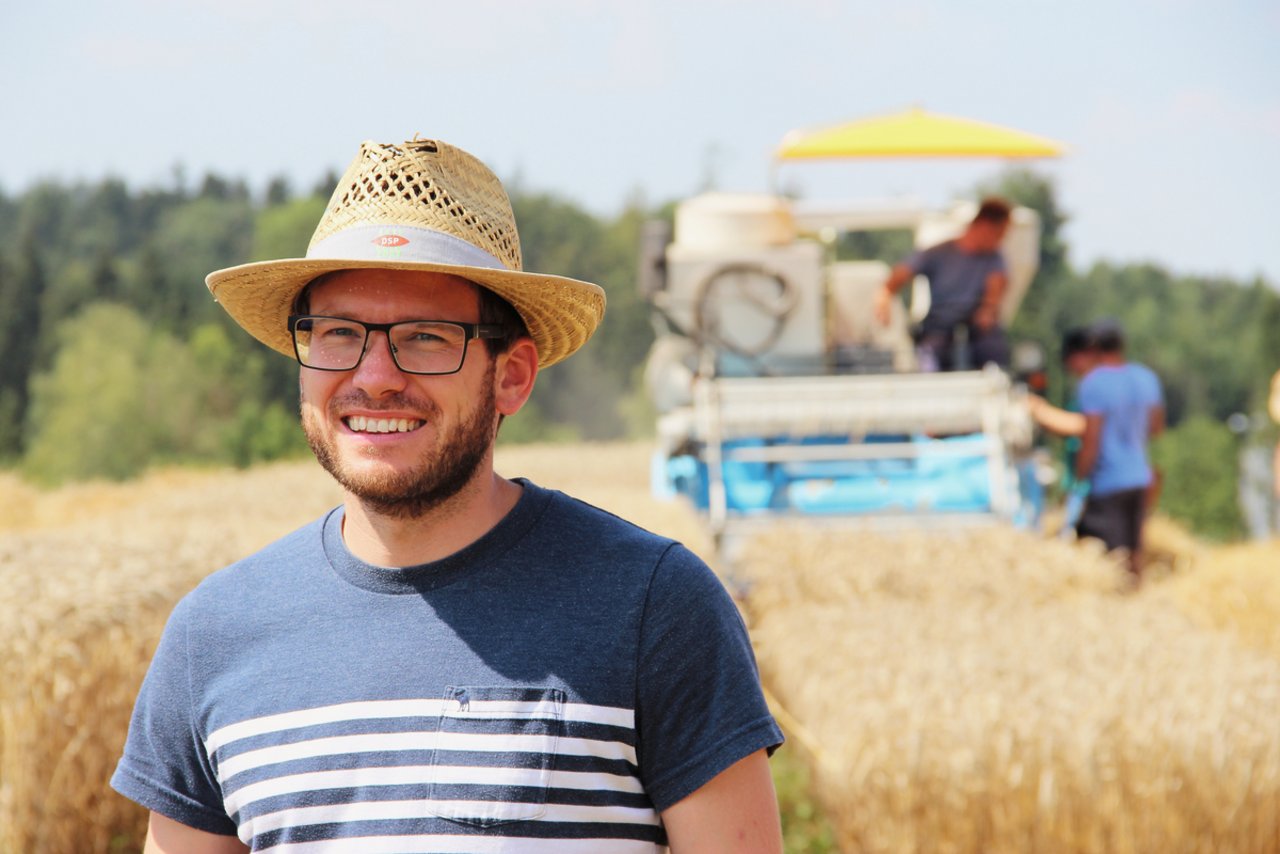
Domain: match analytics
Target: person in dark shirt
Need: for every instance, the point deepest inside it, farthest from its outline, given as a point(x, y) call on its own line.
point(967, 280)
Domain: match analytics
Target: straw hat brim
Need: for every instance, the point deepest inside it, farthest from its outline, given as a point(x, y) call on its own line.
point(560, 313)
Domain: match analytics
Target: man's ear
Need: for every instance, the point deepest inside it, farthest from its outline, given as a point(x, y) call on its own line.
point(513, 374)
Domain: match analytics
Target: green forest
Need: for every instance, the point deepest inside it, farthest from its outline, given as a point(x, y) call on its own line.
point(114, 357)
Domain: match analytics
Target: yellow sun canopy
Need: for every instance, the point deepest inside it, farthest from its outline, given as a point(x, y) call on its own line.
point(915, 133)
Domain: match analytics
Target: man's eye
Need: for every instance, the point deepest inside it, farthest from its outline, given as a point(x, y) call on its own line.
point(340, 332)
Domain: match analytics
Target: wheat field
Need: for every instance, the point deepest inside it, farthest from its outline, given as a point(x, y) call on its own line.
point(992, 691)
point(988, 691)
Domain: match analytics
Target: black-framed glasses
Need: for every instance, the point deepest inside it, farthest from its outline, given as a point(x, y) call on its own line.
point(417, 346)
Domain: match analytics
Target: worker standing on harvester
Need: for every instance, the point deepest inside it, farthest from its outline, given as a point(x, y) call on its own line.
point(967, 280)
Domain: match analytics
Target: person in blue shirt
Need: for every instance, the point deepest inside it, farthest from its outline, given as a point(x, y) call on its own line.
point(1123, 407)
point(967, 280)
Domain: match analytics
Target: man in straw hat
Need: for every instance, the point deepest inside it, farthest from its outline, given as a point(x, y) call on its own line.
point(450, 661)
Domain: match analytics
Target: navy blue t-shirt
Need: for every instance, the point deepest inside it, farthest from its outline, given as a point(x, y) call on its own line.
point(551, 687)
point(957, 281)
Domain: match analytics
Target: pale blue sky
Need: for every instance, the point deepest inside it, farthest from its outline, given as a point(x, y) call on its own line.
point(1171, 107)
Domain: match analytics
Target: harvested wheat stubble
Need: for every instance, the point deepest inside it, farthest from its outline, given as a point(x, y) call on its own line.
point(993, 691)
point(1237, 589)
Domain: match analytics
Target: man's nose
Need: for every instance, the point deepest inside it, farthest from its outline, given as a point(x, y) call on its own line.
point(378, 373)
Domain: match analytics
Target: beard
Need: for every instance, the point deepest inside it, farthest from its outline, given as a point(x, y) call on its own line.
point(414, 492)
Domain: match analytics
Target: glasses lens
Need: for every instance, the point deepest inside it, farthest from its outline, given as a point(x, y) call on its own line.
point(429, 347)
point(329, 343)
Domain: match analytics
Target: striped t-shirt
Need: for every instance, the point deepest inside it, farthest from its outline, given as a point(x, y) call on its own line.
point(552, 687)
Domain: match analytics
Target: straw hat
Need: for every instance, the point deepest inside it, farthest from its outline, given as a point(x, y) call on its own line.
point(426, 206)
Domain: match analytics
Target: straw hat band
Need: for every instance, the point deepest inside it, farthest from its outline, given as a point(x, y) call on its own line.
point(406, 243)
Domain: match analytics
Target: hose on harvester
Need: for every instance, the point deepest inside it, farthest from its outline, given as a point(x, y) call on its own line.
point(725, 285)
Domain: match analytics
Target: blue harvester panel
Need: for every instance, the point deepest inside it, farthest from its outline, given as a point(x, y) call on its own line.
point(945, 475)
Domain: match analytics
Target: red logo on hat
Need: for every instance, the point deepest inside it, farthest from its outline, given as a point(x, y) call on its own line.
point(390, 240)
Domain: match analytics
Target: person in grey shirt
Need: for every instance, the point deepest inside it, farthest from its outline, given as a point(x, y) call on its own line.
point(967, 281)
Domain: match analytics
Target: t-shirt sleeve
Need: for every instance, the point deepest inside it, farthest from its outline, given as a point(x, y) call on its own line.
point(922, 261)
point(1090, 395)
point(1154, 391)
point(700, 707)
point(164, 767)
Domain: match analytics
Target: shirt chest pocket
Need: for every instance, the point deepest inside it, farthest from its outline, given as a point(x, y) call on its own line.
point(494, 753)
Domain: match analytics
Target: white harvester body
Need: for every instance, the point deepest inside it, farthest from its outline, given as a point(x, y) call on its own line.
point(779, 393)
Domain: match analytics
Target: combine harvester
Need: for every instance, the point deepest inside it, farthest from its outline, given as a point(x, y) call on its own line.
point(781, 397)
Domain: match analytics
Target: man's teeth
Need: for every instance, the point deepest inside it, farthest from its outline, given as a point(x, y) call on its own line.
point(361, 424)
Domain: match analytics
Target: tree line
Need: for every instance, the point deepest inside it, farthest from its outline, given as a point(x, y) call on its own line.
point(114, 357)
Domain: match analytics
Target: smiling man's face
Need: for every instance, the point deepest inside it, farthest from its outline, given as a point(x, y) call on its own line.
point(401, 443)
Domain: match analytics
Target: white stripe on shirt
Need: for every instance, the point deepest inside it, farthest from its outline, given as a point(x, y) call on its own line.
point(381, 709)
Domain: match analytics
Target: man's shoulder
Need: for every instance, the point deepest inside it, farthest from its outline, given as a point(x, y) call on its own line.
point(1093, 385)
point(937, 251)
point(1148, 383)
point(581, 519)
point(608, 546)
point(274, 564)
point(945, 247)
point(594, 544)
point(950, 255)
point(264, 585)
point(1144, 371)
point(1116, 384)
